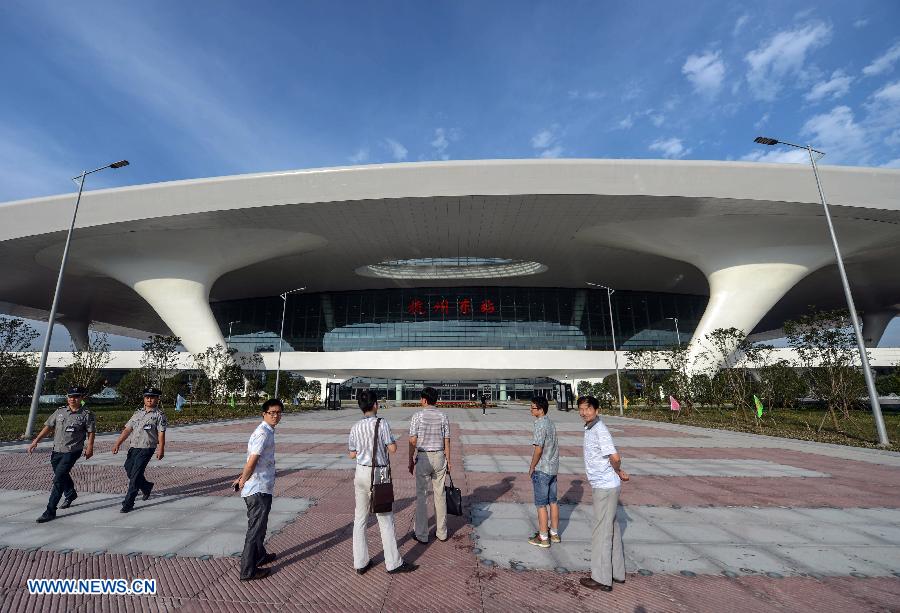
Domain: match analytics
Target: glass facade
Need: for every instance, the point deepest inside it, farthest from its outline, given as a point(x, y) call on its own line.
point(463, 317)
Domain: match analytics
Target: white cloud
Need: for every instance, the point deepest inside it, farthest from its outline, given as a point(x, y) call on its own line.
point(895, 163)
point(542, 139)
point(762, 121)
point(883, 113)
point(33, 164)
point(835, 87)
point(575, 94)
point(890, 93)
point(658, 119)
point(546, 142)
point(705, 72)
point(838, 134)
point(884, 62)
point(626, 124)
point(440, 143)
point(552, 152)
point(860, 23)
point(777, 156)
point(359, 156)
point(739, 24)
point(398, 151)
point(671, 148)
point(782, 56)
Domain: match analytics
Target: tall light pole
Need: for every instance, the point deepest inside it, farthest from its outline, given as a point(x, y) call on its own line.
point(612, 329)
point(883, 440)
point(39, 380)
point(281, 335)
point(677, 333)
point(231, 323)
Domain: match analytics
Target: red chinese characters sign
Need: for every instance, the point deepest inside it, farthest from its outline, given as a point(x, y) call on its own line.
point(417, 307)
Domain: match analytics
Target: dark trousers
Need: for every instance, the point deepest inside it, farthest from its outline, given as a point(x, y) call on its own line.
point(258, 507)
point(135, 464)
point(62, 464)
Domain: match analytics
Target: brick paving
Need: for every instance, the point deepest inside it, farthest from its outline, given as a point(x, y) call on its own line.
point(314, 570)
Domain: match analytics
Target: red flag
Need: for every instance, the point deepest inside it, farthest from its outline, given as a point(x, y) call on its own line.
point(674, 404)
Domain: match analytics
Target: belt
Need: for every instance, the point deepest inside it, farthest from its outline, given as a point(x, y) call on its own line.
point(428, 450)
point(376, 466)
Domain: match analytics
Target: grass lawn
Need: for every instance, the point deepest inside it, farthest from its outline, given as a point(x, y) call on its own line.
point(803, 423)
point(113, 418)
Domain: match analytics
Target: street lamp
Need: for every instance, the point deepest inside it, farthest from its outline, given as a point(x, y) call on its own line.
point(612, 329)
point(281, 335)
point(39, 380)
point(883, 440)
point(231, 323)
point(677, 333)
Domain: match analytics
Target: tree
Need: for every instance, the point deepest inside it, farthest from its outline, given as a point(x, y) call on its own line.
point(728, 349)
point(888, 383)
point(677, 381)
point(642, 363)
point(628, 390)
point(780, 385)
point(826, 346)
point(254, 372)
point(17, 368)
point(314, 390)
point(86, 369)
point(160, 359)
point(131, 387)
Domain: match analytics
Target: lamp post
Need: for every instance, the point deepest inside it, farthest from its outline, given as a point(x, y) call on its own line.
point(612, 329)
point(39, 380)
point(677, 333)
point(231, 323)
point(883, 440)
point(281, 335)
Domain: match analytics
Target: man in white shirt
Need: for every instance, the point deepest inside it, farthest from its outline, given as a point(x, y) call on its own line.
point(257, 484)
point(429, 459)
point(603, 467)
point(372, 460)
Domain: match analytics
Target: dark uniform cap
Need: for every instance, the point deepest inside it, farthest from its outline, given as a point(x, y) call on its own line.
point(76, 391)
point(152, 391)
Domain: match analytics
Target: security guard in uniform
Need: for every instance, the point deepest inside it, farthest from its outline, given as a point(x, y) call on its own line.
point(71, 425)
point(147, 428)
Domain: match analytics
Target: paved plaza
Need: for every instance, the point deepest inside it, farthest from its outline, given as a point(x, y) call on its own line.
point(711, 521)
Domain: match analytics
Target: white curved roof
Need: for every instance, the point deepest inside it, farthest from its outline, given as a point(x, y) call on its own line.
point(634, 224)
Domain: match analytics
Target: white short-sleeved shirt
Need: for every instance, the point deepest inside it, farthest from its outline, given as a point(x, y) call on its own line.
point(261, 443)
point(598, 446)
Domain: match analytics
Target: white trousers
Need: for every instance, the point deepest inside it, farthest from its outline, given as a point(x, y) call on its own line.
point(361, 485)
point(431, 468)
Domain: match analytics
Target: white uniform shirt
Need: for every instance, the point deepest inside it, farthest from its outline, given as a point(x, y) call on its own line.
point(261, 443)
point(598, 446)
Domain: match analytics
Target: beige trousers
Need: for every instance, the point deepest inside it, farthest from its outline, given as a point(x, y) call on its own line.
point(607, 554)
point(431, 468)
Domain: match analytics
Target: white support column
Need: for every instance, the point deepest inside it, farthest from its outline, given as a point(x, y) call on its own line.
point(875, 323)
point(78, 331)
point(739, 297)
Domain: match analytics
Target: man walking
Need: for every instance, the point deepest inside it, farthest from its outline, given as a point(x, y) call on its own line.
point(543, 470)
point(604, 471)
point(429, 452)
point(257, 484)
point(71, 425)
point(147, 428)
point(370, 452)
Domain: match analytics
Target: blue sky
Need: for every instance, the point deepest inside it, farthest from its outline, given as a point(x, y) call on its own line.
point(202, 88)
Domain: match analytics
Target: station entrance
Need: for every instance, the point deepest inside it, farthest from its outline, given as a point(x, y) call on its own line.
point(504, 390)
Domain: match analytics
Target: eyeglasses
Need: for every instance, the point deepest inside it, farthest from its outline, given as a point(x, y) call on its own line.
point(273, 413)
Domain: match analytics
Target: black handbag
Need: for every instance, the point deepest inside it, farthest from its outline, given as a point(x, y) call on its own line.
point(453, 497)
point(381, 495)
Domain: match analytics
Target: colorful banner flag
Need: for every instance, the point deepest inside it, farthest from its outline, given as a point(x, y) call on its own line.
point(179, 402)
point(759, 406)
point(231, 401)
point(673, 404)
point(625, 402)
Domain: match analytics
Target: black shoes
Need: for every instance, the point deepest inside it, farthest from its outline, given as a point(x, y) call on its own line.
point(595, 585)
point(261, 573)
point(416, 539)
point(125, 509)
point(46, 517)
point(146, 495)
point(268, 559)
point(67, 502)
point(406, 567)
point(364, 569)
point(618, 580)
